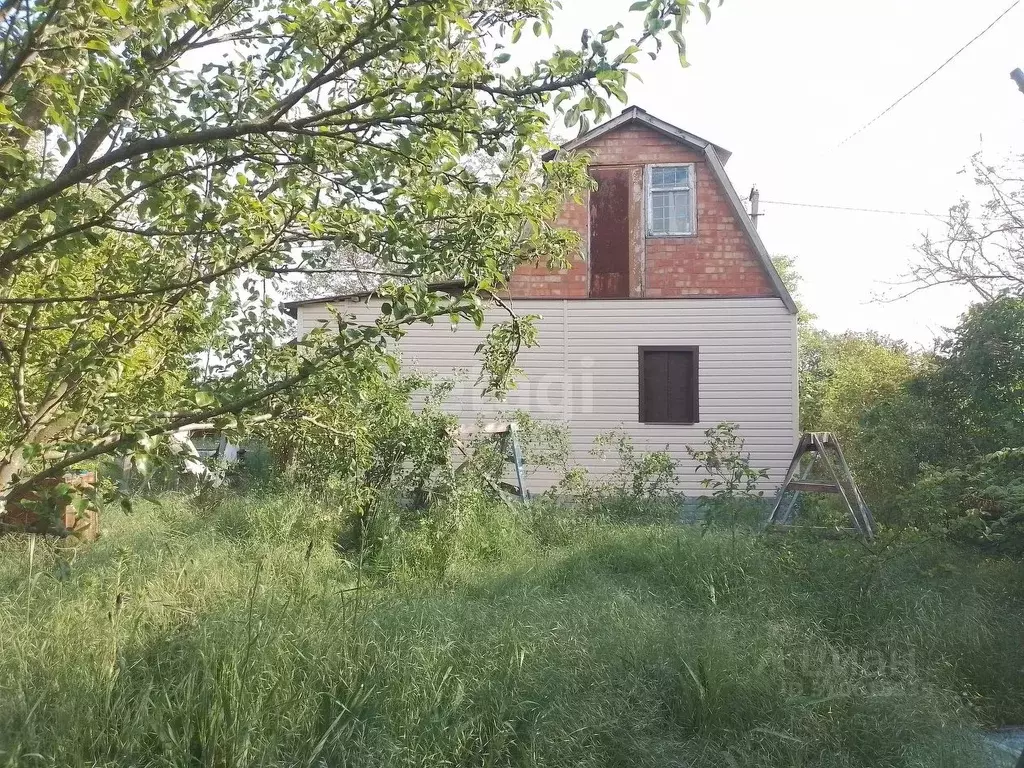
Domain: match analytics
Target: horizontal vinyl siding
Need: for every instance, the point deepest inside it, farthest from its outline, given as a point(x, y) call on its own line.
point(584, 372)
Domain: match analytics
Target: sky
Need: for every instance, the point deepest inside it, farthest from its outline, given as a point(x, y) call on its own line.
point(781, 85)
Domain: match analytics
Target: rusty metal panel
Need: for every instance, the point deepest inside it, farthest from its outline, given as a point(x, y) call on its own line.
point(609, 234)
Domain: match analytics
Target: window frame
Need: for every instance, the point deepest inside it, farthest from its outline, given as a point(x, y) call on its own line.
point(692, 189)
point(695, 351)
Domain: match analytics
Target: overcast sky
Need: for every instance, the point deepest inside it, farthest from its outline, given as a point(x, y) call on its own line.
point(782, 84)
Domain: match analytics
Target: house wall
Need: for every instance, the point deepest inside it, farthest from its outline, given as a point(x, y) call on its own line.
point(585, 372)
point(719, 260)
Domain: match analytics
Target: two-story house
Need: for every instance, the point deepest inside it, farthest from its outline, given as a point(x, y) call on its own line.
point(674, 321)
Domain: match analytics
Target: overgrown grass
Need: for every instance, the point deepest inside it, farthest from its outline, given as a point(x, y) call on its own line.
point(232, 635)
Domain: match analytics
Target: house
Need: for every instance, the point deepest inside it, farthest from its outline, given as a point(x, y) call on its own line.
point(675, 321)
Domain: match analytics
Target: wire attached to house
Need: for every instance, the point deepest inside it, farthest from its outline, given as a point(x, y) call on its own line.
point(857, 210)
point(944, 64)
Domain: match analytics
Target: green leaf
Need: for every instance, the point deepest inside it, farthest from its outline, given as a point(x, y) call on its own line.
point(572, 117)
point(383, 164)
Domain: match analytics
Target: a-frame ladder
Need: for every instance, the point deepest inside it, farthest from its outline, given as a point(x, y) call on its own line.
point(819, 446)
point(510, 448)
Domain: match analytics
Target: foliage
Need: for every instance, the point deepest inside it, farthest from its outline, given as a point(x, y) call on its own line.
point(352, 437)
point(166, 167)
point(843, 376)
point(864, 388)
point(636, 475)
point(545, 444)
point(639, 486)
point(981, 502)
point(950, 421)
point(174, 640)
point(731, 479)
point(786, 266)
point(981, 378)
point(344, 269)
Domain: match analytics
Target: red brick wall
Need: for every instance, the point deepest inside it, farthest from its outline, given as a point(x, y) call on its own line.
point(718, 261)
point(538, 282)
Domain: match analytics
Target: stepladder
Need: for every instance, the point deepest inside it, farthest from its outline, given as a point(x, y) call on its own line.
point(819, 466)
point(506, 436)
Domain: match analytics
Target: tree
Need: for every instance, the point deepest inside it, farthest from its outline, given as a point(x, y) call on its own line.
point(984, 245)
point(160, 160)
point(981, 378)
point(947, 448)
point(338, 270)
point(843, 376)
point(792, 279)
point(847, 381)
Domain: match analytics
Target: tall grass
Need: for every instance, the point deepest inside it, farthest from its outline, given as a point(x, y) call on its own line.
point(234, 635)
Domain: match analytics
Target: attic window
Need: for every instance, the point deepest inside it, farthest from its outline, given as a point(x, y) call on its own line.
point(670, 200)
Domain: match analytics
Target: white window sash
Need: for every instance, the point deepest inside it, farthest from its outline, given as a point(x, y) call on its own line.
point(691, 187)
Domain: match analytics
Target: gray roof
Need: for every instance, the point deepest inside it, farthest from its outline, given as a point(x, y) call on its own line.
point(638, 115)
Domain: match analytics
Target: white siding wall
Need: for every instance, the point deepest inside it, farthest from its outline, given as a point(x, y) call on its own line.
point(585, 372)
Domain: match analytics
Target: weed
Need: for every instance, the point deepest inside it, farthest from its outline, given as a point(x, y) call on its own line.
point(576, 642)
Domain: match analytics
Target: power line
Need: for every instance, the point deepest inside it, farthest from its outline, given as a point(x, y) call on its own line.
point(858, 210)
point(892, 106)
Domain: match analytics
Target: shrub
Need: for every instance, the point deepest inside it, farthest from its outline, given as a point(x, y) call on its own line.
point(640, 487)
point(352, 437)
point(981, 503)
point(731, 479)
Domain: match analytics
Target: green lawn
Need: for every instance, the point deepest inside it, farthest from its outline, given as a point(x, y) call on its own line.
point(220, 637)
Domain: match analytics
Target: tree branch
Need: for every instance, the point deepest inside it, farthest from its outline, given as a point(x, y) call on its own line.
point(112, 443)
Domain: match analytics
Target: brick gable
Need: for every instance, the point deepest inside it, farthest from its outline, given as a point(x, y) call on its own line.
point(719, 260)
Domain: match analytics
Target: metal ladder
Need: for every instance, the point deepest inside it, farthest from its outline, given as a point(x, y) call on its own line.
point(507, 434)
point(819, 446)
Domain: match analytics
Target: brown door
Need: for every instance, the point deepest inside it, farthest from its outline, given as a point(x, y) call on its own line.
point(609, 234)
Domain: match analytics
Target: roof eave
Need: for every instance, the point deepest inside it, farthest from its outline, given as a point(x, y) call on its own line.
point(717, 167)
point(291, 308)
point(637, 115)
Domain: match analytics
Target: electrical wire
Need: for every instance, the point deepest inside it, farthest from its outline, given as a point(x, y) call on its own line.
point(857, 210)
point(944, 64)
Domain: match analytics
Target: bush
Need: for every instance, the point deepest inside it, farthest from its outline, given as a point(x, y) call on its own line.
point(735, 497)
point(981, 503)
point(352, 437)
point(640, 487)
